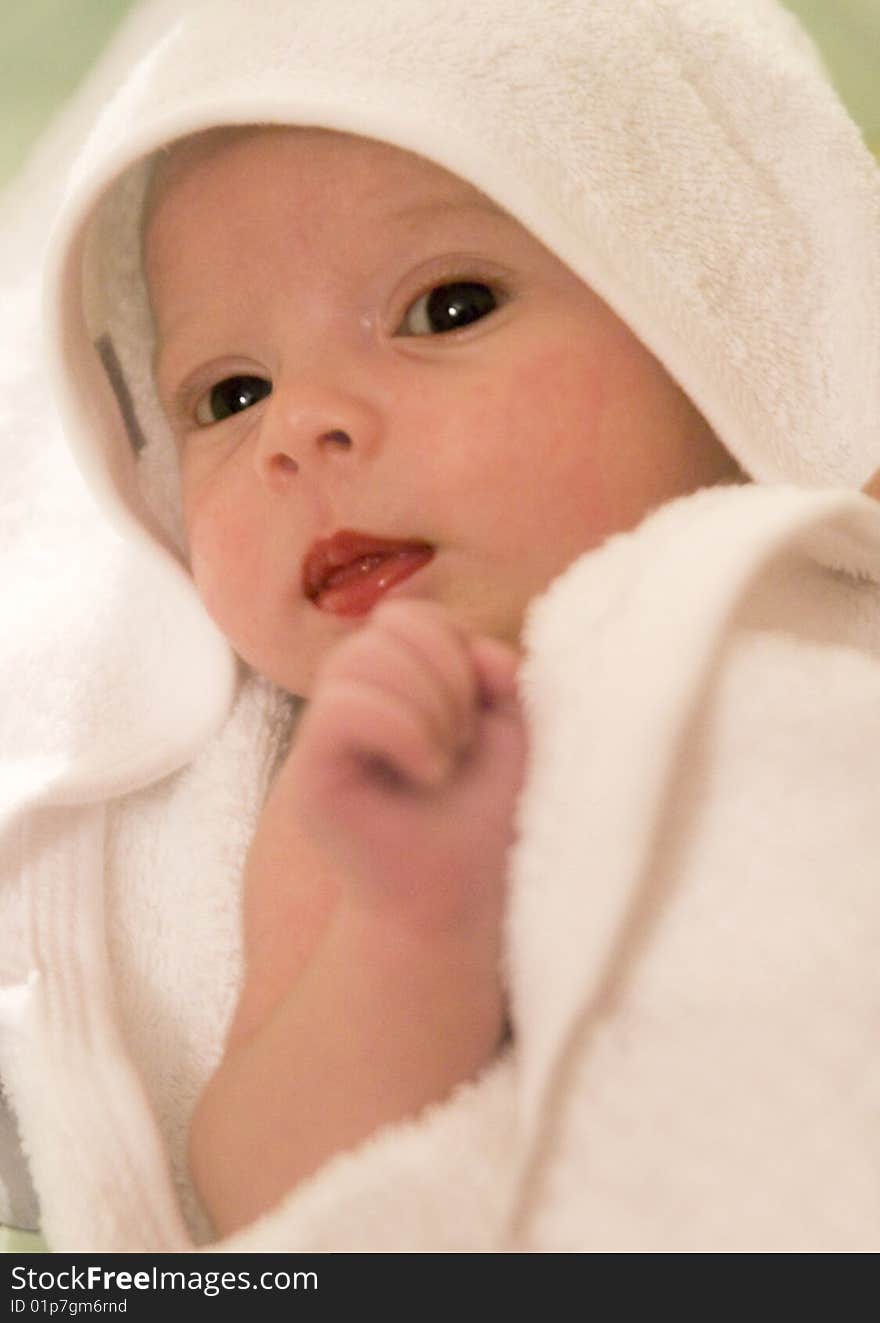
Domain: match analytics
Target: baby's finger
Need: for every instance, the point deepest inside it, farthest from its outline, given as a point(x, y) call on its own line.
point(414, 667)
point(376, 658)
point(497, 670)
point(361, 732)
point(872, 486)
point(429, 632)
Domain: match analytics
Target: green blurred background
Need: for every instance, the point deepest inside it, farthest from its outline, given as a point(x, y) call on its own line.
point(47, 45)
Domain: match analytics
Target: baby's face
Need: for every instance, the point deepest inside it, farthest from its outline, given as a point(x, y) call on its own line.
point(381, 384)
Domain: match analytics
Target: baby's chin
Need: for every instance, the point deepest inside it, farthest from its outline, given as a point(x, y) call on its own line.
point(293, 681)
point(289, 667)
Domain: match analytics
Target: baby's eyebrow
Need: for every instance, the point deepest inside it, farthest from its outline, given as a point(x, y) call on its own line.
point(442, 207)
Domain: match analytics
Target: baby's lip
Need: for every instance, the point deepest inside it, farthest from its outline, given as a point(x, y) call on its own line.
point(347, 573)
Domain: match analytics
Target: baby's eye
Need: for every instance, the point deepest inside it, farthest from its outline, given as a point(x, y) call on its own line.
point(230, 396)
point(448, 307)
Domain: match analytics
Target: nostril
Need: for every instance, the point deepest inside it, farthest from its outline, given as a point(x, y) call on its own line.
point(284, 464)
point(336, 437)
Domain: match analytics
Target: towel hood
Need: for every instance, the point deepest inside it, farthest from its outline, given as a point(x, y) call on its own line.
point(687, 158)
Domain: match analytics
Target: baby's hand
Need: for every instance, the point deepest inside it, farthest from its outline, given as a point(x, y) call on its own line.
point(407, 765)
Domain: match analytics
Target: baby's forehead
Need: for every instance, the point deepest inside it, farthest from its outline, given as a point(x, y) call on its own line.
point(309, 161)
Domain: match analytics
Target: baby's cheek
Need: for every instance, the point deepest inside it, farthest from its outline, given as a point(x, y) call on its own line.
point(220, 553)
point(555, 404)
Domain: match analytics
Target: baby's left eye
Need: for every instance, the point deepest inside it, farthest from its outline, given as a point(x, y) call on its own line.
point(448, 307)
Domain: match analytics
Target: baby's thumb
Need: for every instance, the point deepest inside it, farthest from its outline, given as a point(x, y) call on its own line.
point(872, 486)
point(497, 667)
point(502, 744)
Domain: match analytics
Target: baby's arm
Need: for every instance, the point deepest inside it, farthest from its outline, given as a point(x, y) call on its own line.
point(396, 802)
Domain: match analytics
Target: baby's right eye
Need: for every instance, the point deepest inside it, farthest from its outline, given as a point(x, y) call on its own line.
point(230, 396)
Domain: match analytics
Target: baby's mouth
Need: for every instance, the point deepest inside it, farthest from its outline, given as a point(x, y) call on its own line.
point(349, 572)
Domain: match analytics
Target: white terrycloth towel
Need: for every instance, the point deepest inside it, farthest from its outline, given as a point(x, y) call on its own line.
point(694, 907)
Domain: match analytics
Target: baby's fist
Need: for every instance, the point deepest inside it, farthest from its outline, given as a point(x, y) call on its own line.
point(409, 758)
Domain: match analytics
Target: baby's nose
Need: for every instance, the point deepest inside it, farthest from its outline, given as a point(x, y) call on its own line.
point(303, 428)
point(285, 462)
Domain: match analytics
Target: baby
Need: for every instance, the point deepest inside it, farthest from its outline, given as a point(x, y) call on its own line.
point(399, 418)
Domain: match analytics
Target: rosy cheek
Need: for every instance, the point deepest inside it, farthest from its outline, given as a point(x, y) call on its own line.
point(219, 555)
point(584, 414)
point(554, 410)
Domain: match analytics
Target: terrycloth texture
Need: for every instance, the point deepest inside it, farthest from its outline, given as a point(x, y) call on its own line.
point(694, 906)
